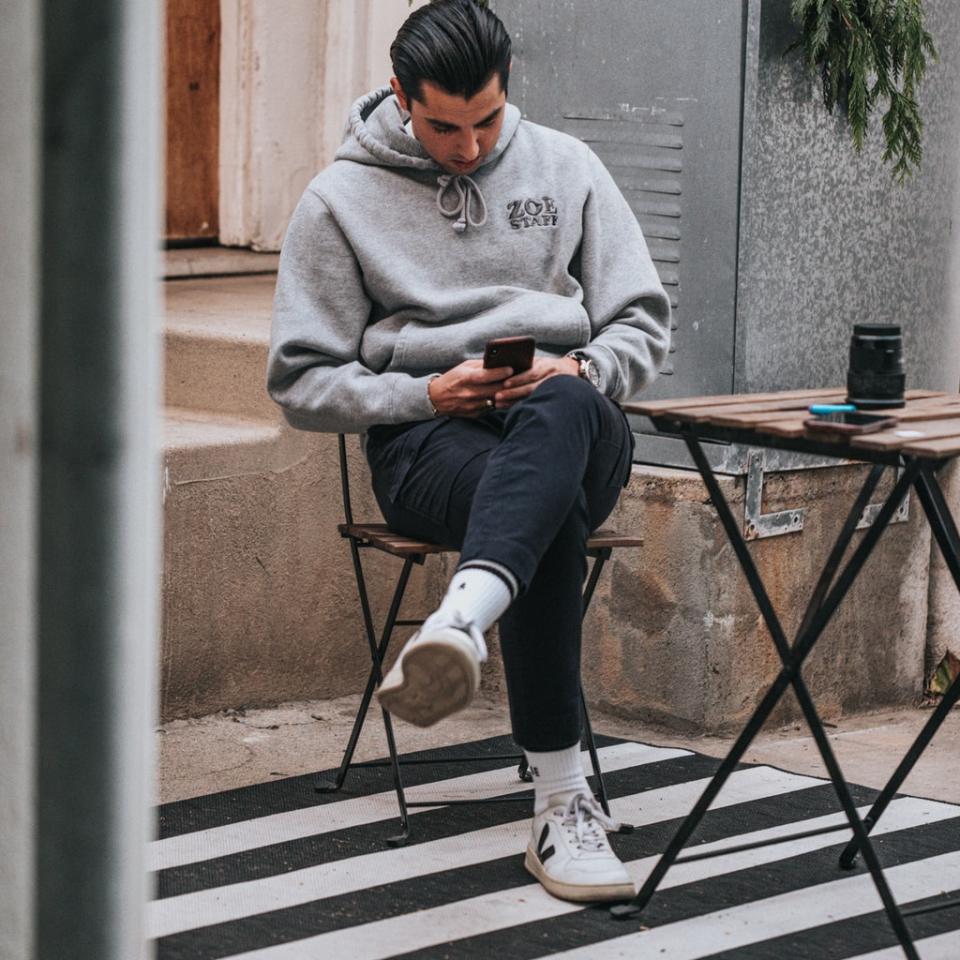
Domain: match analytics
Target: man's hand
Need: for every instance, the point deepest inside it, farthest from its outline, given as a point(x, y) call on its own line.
point(523, 384)
point(466, 390)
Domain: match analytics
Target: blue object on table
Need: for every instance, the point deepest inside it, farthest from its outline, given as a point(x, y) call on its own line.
point(819, 408)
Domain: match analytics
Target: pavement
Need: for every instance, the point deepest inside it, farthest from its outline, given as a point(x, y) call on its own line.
point(237, 748)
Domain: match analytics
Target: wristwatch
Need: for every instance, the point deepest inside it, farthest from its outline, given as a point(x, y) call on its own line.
point(588, 369)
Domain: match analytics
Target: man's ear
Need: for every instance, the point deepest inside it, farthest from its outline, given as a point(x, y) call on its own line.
point(400, 95)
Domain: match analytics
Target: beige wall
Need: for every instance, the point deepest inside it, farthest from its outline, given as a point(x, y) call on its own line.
point(289, 71)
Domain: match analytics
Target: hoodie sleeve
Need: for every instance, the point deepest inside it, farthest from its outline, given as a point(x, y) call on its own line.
point(320, 310)
point(628, 308)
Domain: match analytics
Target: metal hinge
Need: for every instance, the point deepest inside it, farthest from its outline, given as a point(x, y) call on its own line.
point(757, 525)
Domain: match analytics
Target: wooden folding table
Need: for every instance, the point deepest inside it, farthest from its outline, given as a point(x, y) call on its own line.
point(925, 438)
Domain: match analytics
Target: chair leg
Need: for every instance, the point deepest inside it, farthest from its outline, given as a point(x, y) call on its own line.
point(600, 787)
point(375, 677)
point(377, 654)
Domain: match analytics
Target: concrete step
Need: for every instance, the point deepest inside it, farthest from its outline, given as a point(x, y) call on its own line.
point(217, 336)
point(258, 599)
point(216, 262)
point(259, 602)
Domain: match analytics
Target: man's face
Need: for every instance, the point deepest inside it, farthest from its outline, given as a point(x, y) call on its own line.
point(456, 132)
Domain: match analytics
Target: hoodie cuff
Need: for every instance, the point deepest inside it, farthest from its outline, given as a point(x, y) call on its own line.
point(606, 364)
point(411, 401)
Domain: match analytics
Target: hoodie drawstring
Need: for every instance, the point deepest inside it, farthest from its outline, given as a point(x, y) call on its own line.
point(467, 195)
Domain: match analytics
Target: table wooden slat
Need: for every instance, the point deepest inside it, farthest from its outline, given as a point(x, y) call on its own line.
point(928, 426)
point(791, 425)
point(659, 408)
point(760, 408)
point(652, 408)
point(910, 432)
point(789, 428)
point(944, 447)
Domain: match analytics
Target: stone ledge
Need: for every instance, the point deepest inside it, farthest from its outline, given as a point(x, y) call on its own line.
point(680, 639)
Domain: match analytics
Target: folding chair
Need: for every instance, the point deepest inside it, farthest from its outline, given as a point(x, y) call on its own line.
point(378, 536)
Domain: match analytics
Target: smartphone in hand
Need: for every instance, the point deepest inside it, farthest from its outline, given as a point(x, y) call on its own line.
point(514, 352)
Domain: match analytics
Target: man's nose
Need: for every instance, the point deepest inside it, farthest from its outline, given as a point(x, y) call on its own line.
point(469, 147)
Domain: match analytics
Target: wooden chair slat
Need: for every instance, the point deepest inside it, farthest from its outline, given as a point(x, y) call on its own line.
point(381, 537)
point(603, 538)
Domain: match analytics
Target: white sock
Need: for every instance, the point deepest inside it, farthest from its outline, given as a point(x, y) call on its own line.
point(479, 593)
point(558, 775)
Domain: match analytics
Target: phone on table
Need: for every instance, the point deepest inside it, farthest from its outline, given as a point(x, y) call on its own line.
point(848, 423)
point(514, 352)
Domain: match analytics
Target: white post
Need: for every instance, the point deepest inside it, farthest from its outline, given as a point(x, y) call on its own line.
point(19, 210)
point(100, 472)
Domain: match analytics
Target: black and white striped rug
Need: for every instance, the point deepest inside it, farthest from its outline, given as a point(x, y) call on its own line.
point(278, 872)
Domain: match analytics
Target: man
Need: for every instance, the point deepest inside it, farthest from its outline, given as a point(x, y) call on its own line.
point(446, 221)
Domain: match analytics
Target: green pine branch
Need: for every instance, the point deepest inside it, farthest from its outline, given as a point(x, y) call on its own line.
point(868, 52)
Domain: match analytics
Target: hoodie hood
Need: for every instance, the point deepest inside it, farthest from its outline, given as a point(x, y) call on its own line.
point(375, 135)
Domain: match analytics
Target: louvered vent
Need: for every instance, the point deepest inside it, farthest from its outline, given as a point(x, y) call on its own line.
point(642, 147)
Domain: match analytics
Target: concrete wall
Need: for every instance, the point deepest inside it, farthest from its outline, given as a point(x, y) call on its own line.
point(827, 239)
point(260, 603)
point(19, 213)
point(943, 630)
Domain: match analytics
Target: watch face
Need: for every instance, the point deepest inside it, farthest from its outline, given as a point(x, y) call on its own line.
point(593, 374)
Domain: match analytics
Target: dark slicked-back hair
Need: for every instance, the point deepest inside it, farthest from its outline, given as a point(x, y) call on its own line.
point(456, 44)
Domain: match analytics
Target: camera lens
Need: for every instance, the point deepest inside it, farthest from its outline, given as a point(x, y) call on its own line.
point(876, 376)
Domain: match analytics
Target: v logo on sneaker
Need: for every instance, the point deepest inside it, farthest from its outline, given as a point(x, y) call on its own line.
point(578, 864)
point(545, 855)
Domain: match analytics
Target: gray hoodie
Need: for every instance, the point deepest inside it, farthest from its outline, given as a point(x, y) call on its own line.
point(393, 270)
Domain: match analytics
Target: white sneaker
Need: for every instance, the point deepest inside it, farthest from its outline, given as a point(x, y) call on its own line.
point(437, 672)
point(570, 855)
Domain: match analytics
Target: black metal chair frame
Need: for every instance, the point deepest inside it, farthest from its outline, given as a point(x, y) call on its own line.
point(359, 540)
point(919, 473)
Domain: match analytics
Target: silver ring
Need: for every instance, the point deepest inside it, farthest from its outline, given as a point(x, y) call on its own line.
point(490, 403)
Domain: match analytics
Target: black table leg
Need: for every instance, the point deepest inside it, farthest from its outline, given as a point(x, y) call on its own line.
point(945, 532)
point(816, 618)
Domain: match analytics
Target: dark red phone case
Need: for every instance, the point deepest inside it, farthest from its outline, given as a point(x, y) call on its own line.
point(514, 352)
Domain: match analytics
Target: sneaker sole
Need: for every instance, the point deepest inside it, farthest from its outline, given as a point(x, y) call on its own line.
point(434, 679)
point(577, 892)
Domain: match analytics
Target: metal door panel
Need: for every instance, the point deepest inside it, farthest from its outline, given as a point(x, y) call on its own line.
point(655, 88)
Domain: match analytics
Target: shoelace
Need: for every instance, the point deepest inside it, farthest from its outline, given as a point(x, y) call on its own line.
point(589, 821)
point(467, 195)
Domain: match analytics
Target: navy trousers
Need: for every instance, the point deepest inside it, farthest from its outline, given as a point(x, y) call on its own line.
point(523, 487)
